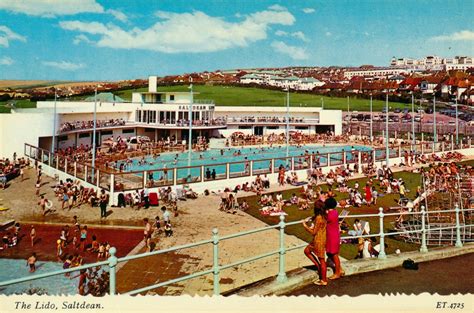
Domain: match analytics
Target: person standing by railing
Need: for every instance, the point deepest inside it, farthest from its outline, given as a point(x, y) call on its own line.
point(318, 246)
point(333, 236)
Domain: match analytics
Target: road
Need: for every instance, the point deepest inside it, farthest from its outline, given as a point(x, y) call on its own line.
point(447, 276)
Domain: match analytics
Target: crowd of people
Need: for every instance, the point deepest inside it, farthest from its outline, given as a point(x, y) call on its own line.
point(75, 125)
point(264, 119)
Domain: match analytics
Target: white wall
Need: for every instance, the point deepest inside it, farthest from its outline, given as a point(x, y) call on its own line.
point(16, 129)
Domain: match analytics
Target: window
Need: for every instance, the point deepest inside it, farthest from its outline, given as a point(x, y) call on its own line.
point(106, 133)
point(245, 127)
point(84, 135)
point(149, 130)
point(128, 131)
point(62, 138)
point(273, 127)
point(171, 97)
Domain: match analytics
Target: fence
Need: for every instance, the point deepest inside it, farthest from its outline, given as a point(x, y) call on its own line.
point(215, 240)
point(114, 181)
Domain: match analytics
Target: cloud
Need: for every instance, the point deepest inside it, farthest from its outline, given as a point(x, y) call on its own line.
point(6, 34)
point(64, 65)
point(281, 33)
point(81, 38)
point(300, 35)
point(185, 32)
point(308, 10)
point(51, 8)
point(277, 7)
point(118, 15)
point(463, 35)
point(6, 61)
point(296, 53)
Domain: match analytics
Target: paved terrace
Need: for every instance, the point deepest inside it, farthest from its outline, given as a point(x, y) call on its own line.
point(195, 221)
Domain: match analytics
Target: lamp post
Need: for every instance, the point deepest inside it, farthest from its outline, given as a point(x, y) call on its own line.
point(54, 121)
point(435, 136)
point(371, 118)
point(94, 133)
point(457, 123)
point(387, 156)
point(287, 123)
point(190, 140)
point(413, 140)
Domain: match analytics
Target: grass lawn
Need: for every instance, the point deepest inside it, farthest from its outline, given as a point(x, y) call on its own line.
point(241, 96)
point(348, 251)
point(22, 103)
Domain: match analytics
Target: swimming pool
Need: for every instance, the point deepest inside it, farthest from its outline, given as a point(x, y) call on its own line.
point(159, 168)
point(56, 285)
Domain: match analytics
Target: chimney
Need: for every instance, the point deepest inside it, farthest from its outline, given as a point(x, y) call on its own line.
point(152, 81)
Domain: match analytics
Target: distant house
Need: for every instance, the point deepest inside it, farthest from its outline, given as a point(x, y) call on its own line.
point(251, 79)
point(308, 83)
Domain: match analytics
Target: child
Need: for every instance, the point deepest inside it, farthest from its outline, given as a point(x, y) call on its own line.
point(32, 235)
point(168, 230)
point(101, 253)
point(31, 262)
point(157, 225)
point(67, 264)
point(59, 249)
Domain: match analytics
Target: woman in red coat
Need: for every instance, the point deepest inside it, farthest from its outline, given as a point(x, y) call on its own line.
point(333, 236)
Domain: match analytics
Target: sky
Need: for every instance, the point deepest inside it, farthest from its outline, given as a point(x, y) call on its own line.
point(120, 39)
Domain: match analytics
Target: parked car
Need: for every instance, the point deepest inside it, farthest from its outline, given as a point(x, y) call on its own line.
point(397, 110)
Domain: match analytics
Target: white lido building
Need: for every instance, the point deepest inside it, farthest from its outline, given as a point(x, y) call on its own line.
point(154, 114)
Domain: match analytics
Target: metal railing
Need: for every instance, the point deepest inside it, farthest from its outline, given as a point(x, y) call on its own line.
point(215, 240)
point(115, 181)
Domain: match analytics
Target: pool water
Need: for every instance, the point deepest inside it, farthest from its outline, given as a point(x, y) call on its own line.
point(212, 159)
point(56, 285)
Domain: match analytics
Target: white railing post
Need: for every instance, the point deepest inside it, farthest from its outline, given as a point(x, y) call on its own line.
point(215, 263)
point(359, 160)
point(98, 179)
point(112, 271)
point(85, 173)
point(292, 163)
point(202, 173)
point(112, 189)
point(399, 150)
point(57, 162)
point(251, 167)
point(423, 247)
point(458, 228)
point(311, 161)
point(329, 159)
point(145, 174)
point(227, 170)
point(42, 155)
point(272, 165)
point(75, 169)
point(344, 158)
point(282, 273)
point(175, 176)
point(382, 254)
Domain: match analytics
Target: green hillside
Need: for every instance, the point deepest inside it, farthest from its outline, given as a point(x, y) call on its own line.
point(226, 95)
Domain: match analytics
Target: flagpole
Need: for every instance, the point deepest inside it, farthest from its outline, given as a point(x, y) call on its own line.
point(190, 140)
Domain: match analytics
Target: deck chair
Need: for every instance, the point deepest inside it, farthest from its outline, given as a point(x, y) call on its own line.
point(343, 215)
point(153, 198)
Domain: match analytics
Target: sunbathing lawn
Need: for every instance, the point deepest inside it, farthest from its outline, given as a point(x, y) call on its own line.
point(348, 251)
